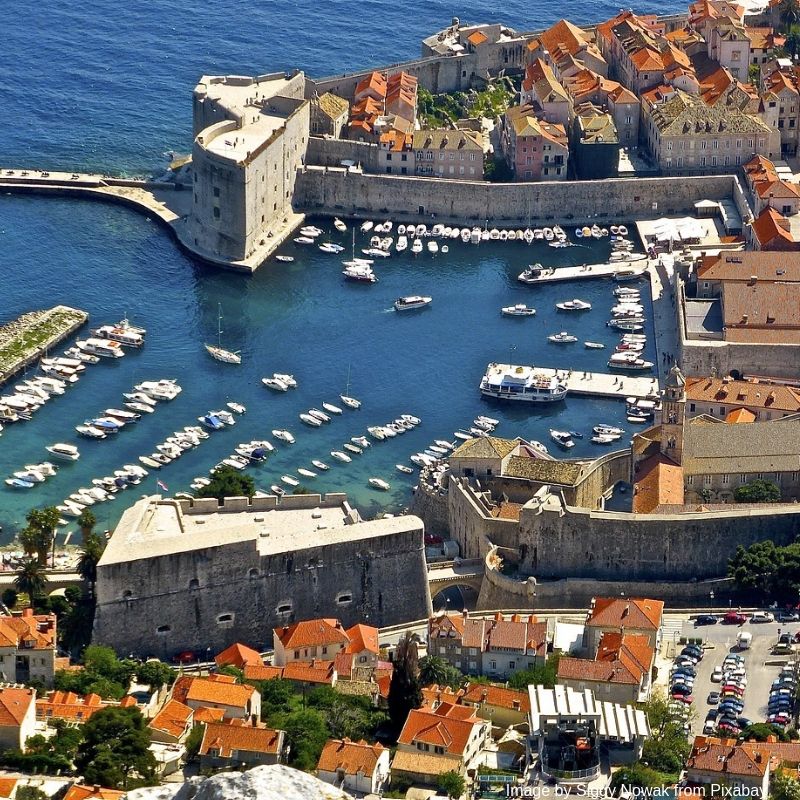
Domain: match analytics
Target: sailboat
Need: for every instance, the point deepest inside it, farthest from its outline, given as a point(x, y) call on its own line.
point(217, 351)
point(350, 402)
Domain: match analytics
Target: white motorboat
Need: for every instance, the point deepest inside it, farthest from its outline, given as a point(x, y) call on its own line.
point(283, 435)
point(139, 408)
point(303, 240)
point(320, 415)
point(289, 480)
point(274, 383)
point(594, 345)
point(331, 247)
point(410, 418)
point(124, 416)
point(285, 378)
point(285, 259)
point(562, 338)
point(416, 246)
point(339, 225)
point(627, 309)
point(361, 441)
point(511, 382)
point(367, 225)
point(320, 465)
point(117, 334)
point(149, 462)
point(306, 473)
point(574, 305)
point(18, 483)
point(402, 244)
point(562, 438)
point(340, 456)
point(608, 430)
point(377, 432)
point(225, 416)
point(352, 448)
point(140, 397)
point(309, 420)
point(30, 475)
point(623, 275)
point(311, 230)
point(602, 438)
point(638, 418)
point(332, 408)
point(379, 483)
point(90, 432)
point(518, 310)
point(277, 490)
point(626, 291)
point(102, 347)
point(412, 301)
point(487, 420)
point(165, 389)
point(376, 252)
point(404, 469)
point(433, 246)
point(238, 408)
point(64, 452)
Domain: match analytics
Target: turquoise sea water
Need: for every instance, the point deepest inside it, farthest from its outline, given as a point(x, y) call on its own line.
point(109, 87)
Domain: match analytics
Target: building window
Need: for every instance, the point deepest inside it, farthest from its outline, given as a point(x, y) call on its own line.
point(707, 480)
point(726, 479)
point(492, 665)
point(690, 480)
point(691, 406)
point(216, 191)
point(216, 212)
point(225, 618)
point(163, 629)
point(344, 598)
point(743, 478)
point(283, 608)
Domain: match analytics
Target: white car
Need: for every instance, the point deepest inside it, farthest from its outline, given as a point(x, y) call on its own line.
point(716, 675)
point(708, 726)
point(762, 616)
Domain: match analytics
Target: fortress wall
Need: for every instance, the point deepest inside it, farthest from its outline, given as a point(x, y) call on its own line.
point(616, 546)
point(331, 153)
point(706, 357)
point(337, 191)
point(234, 580)
point(431, 508)
point(600, 478)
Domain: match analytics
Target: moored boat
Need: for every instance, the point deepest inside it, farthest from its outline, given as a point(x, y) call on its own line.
point(518, 310)
point(65, 452)
point(562, 338)
point(511, 382)
point(379, 483)
point(410, 302)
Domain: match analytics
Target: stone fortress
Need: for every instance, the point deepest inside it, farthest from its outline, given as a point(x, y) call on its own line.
point(181, 576)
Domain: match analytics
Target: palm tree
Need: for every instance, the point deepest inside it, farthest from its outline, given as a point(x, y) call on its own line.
point(86, 521)
point(432, 669)
point(31, 578)
point(45, 521)
point(87, 563)
point(28, 539)
point(789, 11)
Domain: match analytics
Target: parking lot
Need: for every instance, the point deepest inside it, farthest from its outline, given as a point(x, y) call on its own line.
point(762, 666)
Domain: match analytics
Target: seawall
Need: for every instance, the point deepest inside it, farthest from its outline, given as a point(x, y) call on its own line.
point(336, 191)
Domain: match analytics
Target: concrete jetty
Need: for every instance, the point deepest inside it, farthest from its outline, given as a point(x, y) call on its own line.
point(25, 339)
point(587, 271)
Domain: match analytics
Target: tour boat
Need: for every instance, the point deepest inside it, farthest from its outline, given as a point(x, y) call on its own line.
point(562, 438)
point(403, 468)
point(340, 456)
point(332, 408)
point(339, 225)
point(285, 259)
point(594, 345)
point(509, 382)
point(624, 361)
point(562, 338)
point(309, 420)
point(530, 274)
point(102, 347)
point(306, 473)
point(274, 383)
point(65, 452)
point(320, 465)
point(362, 274)
point(289, 480)
point(18, 483)
point(411, 302)
point(518, 310)
point(283, 435)
point(574, 305)
point(379, 483)
point(121, 335)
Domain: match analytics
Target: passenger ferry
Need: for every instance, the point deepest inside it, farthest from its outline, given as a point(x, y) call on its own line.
point(512, 382)
point(102, 347)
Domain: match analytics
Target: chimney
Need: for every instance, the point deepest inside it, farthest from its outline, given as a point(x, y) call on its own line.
point(27, 612)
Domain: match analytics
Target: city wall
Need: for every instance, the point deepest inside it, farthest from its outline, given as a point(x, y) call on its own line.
point(332, 152)
point(342, 192)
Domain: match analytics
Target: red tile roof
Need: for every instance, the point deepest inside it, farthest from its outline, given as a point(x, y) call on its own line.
point(29, 630)
point(14, 705)
point(228, 738)
point(68, 705)
point(265, 672)
point(311, 633)
point(491, 694)
point(449, 726)
point(213, 690)
point(79, 792)
point(725, 757)
point(7, 786)
point(618, 612)
point(350, 757)
point(659, 481)
point(238, 655)
point(362, 637)
point(752, 394)
point(769, 231)
point(173, 718)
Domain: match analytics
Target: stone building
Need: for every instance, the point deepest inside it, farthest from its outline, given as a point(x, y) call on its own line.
point(542, 91)
point(328, 115)
point(28, 647)
point(447, 154)
point(725, 763)
point(718, 397)
point(17, 717)
point(354, 766)
point(535, 150)
point(595, 143)
point(324, 639)
point(226, 745)
point(182, 576)
point(565, 48)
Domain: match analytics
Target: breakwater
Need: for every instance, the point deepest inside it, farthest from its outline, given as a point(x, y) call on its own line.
point(27, 338)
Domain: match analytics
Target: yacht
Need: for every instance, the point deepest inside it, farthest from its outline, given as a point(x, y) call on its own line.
point(362, 274)
point(237, 408)
point(117, 334)
point(519, 310)
point(317, 414)
point(332, 408)
point(30, 475)
point(102, 347)
point(352, 448)
point(628, 361)
point(211, 422)
point(309, 420)
point(124, 416)
point(65, 452)
point(574, 305)
point(165, 389)
point(403, 468)
point(90, 432)
point(509, 382)
point(221, 354)
point(340, 456)
point(377, 432)
point(379, 483)
point(283, 435)
point(225, 416)
point(562, 438)
point(562, 338)
point(412, 301)
point(361, 441)
point(530, 274)
point(274, 383)
point(284, 378)
point(320, 465)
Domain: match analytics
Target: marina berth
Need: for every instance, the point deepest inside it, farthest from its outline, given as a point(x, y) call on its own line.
point(527, 384)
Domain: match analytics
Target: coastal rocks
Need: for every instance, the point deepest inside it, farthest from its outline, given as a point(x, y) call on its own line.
point(276, 782)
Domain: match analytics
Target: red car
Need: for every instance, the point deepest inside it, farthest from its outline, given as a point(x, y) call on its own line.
point(732, 689)
point(734, 618)
point(687, 699)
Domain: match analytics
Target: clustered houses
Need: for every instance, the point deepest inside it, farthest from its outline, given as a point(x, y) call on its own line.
point(28, 647)
point(535, 150)
point(774, 201)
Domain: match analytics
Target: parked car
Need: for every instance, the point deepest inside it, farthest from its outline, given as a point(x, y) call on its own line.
point(713, 698)
point(680, 688)
point(762, 616)
point(728, 706)
point(706, 619)
point(692, 650)
point(744, 722)
point(687, 699)
point(788, 616)
point(734, 618)
point(779, 719)
point(708, 726)
point(716, 675)
point(712, 714)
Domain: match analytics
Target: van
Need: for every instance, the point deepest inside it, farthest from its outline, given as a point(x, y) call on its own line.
point(743, 640)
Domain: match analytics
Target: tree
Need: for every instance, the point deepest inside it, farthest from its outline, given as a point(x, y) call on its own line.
point(793, 41)
point(452, 784)
point(544, 675)
point(637, 775)
point(228, 482)
point(30, 793)
point(43, 522)
point(115, 751)
point(789, 11)
point(193, 741)
point(404, 689)
point(31, 578)
point(276, 695)
point(306, 734)
point(761, 731)
point(784, 787)
point(91, 553)
point(754, 74)
point(9, 598)
point(155, 674)
point(757, 492)
point(768, 569)
point(667, 748)
point(435, 670)
point(86, 522)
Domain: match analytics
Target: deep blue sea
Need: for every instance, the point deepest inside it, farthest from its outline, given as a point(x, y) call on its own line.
point(108, 86)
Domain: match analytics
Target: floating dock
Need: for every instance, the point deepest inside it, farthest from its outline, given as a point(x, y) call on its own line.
point(596, 384)
point(586, 271)
point(27, 338)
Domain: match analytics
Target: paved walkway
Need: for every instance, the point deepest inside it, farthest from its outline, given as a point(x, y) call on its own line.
point(586, 271)
point(662, 272)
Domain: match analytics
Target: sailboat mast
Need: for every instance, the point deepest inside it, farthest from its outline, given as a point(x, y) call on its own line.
point(219, 325)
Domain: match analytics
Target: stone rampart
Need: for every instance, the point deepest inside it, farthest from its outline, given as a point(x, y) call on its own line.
point(332, 152)
point(339, 191)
